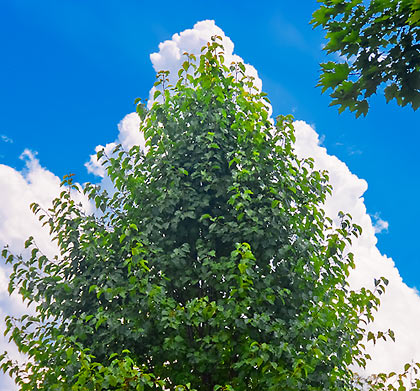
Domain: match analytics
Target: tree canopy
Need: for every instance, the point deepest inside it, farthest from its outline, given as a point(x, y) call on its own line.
point(377, 48)
point(211, 267)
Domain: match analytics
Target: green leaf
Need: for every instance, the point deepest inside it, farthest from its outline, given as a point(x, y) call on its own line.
point(334, 74)
point(69, 353)
point(156, 94)
point(242, 268)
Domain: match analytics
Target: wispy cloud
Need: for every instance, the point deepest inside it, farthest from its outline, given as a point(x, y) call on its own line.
point(6, 139)
point(350, 149)
point(379, 225)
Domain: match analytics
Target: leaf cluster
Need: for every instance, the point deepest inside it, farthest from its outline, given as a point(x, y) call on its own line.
point(378, 45)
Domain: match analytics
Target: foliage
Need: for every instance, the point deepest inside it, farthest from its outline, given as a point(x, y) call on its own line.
point(378, 48)
point(407, 380)
point(211, 267)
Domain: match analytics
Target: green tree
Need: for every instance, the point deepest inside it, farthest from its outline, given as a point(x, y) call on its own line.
point(211, 267)
point(378, 44)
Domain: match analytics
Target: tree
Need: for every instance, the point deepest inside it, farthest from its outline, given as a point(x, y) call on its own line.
point(211, 267)
point(378, 45)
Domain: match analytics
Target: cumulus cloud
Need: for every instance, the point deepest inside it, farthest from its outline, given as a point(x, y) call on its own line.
point(7, 303)
point(128, 136)
point(94, 165)
point(170, 56)
point(17, 223)
point(19, 189)
point(400, 306)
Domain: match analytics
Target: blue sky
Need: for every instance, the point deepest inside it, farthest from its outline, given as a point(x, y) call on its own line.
point(71, 69)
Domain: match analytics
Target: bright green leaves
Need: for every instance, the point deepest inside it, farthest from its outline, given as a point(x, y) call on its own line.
point(141, 108)
point(321, 16)
point(122, 374)
point(378, 47)
point(245, 266)
point(415, 17)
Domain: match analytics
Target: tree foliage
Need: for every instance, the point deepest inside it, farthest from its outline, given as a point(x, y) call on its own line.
point(211, 267)
point(378, 48)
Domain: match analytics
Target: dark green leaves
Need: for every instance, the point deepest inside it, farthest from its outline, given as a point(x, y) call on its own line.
point(334, 74)
point(378, 45)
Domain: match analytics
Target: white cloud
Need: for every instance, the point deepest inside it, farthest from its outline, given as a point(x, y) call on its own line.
point(379, 225)
point(94, 166)
point(19, 189)
point(6, 139)
point(129, 133)
point(170, 56)
point(128, 136)
point(37, 184)
point(17, 223)
point(400, 307)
